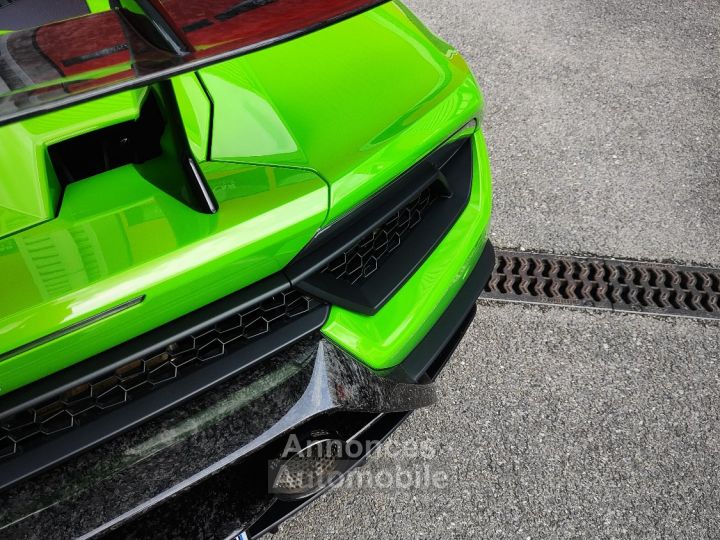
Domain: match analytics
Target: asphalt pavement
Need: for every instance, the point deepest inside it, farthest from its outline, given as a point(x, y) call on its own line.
point(603, 121)
point(603, 125)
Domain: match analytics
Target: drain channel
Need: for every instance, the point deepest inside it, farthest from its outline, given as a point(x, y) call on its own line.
point(631, 286)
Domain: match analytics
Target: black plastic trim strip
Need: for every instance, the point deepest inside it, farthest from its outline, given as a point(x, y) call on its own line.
point(75, 60)
point(452, 165)
point(242, 7)
point(72, 328)
point(198, 25)
point(160, 400)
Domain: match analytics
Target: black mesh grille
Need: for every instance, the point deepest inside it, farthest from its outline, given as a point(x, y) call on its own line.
point(88, 401)
point(361, 260)
point(365, 257)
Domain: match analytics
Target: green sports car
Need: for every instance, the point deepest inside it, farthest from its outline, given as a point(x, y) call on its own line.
point(224, 224)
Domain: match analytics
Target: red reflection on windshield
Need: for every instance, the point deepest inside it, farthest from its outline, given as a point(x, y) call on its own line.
point(213, 26)
point(84, 44)
point(57, 64)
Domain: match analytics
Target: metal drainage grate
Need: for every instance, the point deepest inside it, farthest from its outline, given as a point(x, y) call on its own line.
point(661, 289)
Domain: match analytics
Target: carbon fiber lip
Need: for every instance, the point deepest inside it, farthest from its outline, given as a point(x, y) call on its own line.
point(338, 383)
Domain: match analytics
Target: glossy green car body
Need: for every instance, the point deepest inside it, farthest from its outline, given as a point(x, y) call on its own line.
point(290, 138)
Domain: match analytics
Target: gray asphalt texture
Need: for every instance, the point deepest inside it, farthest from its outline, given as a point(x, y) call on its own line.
point(603, 121)
point(603, 124)
point(554, 422)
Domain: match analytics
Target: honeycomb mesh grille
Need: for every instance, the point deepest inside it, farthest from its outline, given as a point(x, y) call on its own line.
point(88, 401)
point(366, 256)
point(662, 289)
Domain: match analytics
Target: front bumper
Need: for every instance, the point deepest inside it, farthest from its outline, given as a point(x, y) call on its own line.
point(173, 430)
point(220, 443)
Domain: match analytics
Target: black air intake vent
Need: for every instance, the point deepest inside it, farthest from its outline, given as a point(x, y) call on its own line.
point(359, 262)
point(109, 148)
point(90, 400)
point(162, 156)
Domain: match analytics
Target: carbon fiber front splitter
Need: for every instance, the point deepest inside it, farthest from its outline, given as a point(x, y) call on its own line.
point(200, 470)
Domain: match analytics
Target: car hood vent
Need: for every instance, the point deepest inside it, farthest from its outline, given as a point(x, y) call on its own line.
point(162, 155)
